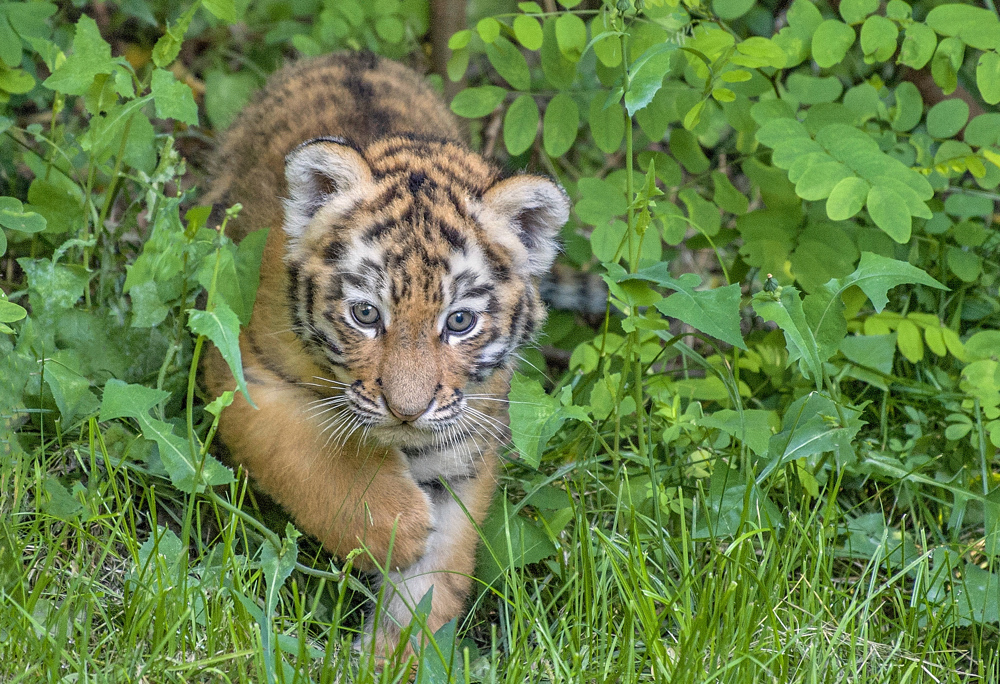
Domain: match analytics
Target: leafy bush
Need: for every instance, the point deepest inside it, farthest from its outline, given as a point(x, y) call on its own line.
point(796, 380)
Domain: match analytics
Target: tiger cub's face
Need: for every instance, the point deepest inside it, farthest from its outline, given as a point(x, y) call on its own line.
point(412, 272)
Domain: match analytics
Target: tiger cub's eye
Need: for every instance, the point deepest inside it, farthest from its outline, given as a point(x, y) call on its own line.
point(365, 313)
point(461, 321)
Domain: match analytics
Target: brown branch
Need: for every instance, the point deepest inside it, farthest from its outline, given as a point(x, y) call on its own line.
point(447, 17)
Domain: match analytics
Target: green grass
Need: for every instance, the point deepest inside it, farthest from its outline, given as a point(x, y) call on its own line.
point(85, 598)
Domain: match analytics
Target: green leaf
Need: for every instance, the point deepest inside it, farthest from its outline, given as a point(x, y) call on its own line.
point(520, 124)
point(55, 286)
point(847, 198)
point(122, 400)
point(571, 36)
point(457, 64)
point(222, 9)
point(390, 28)
point(871, 351)
point(819, 180)
point(509, 63)
point(607, 125)
point(878, 38)
point(685, 149)
point(560, 125)
point(91, 56)
point(731, 9)
point(646, 76)
point(528, 32)
point(947, 118)
point(11, 312)
point(988, 77)
point(58, 501)
point(14, 217)
point(830, 42)
point(727, 196)
point(169, 45)
point(890, 213)
point(15, 81)
point(276, 565)
point(510, 541)
point(909, 107)
point(910, 341)
point(488, 29)
point(953, 19)
point(918, 46)
point(813, 89)
point(530, 409)
point(473, 103)
point(755, 52)
point(703, 214)
point(459, 39)
point(560, 71)
point(784, 307)
point(174, 100)
point(226, 95)
point(750, 426)
point(855, 11)
point(600, 201)
point(874, 276)
point(947, 60)
point(967, 266)
point(70, 388)
point(607, 49)
point(222, 327)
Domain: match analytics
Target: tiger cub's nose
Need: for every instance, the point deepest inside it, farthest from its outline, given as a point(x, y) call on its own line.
point(407, 415)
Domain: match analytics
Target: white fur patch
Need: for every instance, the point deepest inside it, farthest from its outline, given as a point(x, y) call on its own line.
point(323, 175)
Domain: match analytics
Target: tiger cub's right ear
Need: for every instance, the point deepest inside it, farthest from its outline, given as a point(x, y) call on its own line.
point(320, 172)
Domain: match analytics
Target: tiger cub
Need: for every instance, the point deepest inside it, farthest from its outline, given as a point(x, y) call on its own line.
point(398, 279)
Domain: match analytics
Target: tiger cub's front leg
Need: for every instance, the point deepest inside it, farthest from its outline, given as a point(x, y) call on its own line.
point(347, 496)
point(447, 566)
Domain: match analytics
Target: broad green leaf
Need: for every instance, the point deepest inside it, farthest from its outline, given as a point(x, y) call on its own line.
point(909, 107)
point(918, 45)
point(814, 90)
point(685, 148)
point(731, 9)
point(727, 196)
point(878, 38)
point(607, 49)
point(176, 455)
point(947, 118)
point(528, 32)
point(965, 265)
point(473, 103)
point(520, 124)
point(947, 60)
point(560, 71)
point(223, 9)
point(510, 541)
point(69, 387)
point(58, 501)
point(11, 312)
point(988, 77)
point(459, 39)
point(872, 351)
point(222, 327)
point(169, 45)
point(702, 214)
point(600, 201)
point(509, 63)
point(831, 41)
point(174, 100)
point(890, 213)
point(122, 400)
point(847, 198)
point(910, 341)
point(875, 276)
point(91, 56)
point(14, 217)
point(530, 409)
point(715, 312)
point(819, 180)
point(226, 95)
point(951, 19)
point(458, 63)
point(15, 81)
point(646, 76)
point(488, 29)
point(750, 426)
point(56, 286)
point(560, 125)
point(755, 52)
point(813, 425)
point(607, 125)
point(855, 11)
point(571, 36)
point(390, 28)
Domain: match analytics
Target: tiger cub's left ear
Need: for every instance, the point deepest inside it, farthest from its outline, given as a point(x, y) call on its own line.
point(533, 208)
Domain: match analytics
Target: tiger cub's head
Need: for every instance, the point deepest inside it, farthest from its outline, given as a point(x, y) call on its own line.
point(412, 275)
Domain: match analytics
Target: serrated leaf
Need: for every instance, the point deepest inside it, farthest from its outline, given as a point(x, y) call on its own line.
point(847, 198)
point(473, 103)
point(785, 309)
point(174, 100)
point(222, 327)
point(176, 455)
point(831, 41)
point(122, 400)
point(560, 125)
point(520, 124)
point(91, 56)
point(646, 76)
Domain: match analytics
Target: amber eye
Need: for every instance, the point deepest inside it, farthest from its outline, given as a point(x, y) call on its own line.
point(365, 313)
point(461, 321)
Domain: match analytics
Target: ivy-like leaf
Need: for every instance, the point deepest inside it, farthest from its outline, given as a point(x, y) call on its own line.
point(91, 56)
point(222, 327)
